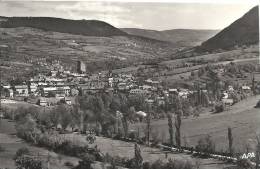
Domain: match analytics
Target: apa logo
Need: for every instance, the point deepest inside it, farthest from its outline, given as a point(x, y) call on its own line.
point(248, 155)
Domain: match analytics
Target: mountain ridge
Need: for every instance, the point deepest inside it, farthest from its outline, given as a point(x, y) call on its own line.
point(82, 27)
point(243, 31)
point(179, 37)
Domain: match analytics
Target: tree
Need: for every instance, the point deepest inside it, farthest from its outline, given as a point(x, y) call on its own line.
point(230, 141)
point(21, 151)
point(257, 157)
point(169, 117)
point(27, 129)
point(54, 117)
point(120, 103)
point(82, 110)
point(253, 84)
point(148, 121)
point(62, 115)
point(178, 122)
point(170, 125)
point(138, 157)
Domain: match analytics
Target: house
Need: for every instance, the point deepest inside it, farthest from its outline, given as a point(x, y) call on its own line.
point(152, 82)
point(21, 90)
point(173, 91)
point(230, 88)
point(122, 86)
point(33, 88)
point(43, 102)
point(146, 87)
point(138, 91)
point(224, 95)
point(245, 88)
point(68, 101)
point(183, 93)
point(160, 100)
point(229, 102)
point(56, 91)
point(93, 86)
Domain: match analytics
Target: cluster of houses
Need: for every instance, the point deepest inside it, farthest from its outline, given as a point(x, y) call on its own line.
point(65, 84)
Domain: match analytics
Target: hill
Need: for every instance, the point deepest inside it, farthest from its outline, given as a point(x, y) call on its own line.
point(244, 31)
point(31, 46)
point(179, 37)
point(82, 27)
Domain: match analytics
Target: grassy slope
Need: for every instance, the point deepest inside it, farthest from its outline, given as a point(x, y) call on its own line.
point(125, 149)
point(27, 44)
point(244, 30)
point(242, 117)
point(113, 147)
point(11, 143)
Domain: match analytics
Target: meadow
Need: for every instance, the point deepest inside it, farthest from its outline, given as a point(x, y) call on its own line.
point(243, 118)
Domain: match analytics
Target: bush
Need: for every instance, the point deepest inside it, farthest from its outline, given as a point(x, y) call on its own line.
point(2, 149)
point(68, 164)
point(28, 162)
point(244, 164)
point(177, 164)
point(157, 164)
point(257, 104)
point(21, 151)
point(132, 135)
point(206, 145)
point(171, 164)
point(86, 162)
point(219, 108)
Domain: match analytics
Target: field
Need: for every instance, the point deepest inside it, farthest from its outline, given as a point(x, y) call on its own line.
point(243, 118)
point(126, 149)
point(179, 72)
point(106, 145)
point(28, 45)
point(12, 143)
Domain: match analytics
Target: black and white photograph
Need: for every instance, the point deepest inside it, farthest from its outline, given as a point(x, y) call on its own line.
point(128, 84)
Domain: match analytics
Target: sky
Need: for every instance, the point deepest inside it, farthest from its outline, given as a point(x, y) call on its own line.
point(163, 15)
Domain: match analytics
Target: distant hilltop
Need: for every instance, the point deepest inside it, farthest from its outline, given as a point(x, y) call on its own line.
point(244, 31)
point(81, 27)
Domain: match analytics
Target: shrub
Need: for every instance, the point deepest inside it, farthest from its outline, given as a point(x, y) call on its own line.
point(206, 145)
point(2, 149)
point(146, 165)
point(178, 164)
point(132, 135)
point(244, 164)
point(171, 164)
point(21, 151)
point(68, 164)
point(86, 162)
point(257, 104)
point(219, 108)
point(28, 162)
point(157, 164)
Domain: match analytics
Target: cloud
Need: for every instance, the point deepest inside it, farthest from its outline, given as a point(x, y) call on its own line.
point(159, 16)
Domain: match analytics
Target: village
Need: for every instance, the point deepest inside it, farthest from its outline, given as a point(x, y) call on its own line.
point(59, 84)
